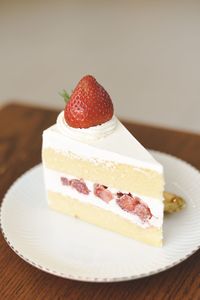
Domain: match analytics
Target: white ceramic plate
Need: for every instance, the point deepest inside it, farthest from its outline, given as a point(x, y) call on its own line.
point(70, 248)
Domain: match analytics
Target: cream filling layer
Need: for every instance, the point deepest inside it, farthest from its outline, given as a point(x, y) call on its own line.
point(53, 183)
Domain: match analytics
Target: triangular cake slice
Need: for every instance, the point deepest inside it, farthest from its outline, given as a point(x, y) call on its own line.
point(103, 175)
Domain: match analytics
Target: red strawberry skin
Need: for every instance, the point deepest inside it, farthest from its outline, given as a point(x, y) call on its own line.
point(89, 105)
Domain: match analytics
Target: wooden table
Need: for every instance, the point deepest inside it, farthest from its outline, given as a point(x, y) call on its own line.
point(20, 146)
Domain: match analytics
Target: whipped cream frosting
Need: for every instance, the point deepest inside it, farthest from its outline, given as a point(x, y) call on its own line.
point(110, 142)
point(53, 183)
point(86, 134)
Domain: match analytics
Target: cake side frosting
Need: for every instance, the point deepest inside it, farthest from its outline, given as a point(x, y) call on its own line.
point(116, 146)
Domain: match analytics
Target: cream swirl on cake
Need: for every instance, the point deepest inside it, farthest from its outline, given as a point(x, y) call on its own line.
point(86, 134)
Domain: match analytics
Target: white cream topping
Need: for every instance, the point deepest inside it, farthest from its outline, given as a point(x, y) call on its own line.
point(86, 134)
point(53, 183)
point(110, 142)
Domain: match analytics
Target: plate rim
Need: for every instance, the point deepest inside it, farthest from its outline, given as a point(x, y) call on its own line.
point(86, 278)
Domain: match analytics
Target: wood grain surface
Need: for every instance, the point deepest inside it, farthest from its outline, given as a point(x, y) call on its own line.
point(20, 147)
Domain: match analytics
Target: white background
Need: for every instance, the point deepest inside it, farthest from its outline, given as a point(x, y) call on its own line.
point(145, 53)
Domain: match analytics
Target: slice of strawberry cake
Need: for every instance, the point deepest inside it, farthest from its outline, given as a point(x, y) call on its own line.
point(95, 170)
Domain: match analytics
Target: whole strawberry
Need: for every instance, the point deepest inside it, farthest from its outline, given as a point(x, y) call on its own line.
point(89, 105)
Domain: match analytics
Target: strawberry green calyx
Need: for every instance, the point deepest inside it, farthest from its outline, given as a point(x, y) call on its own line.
point(65, 95)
